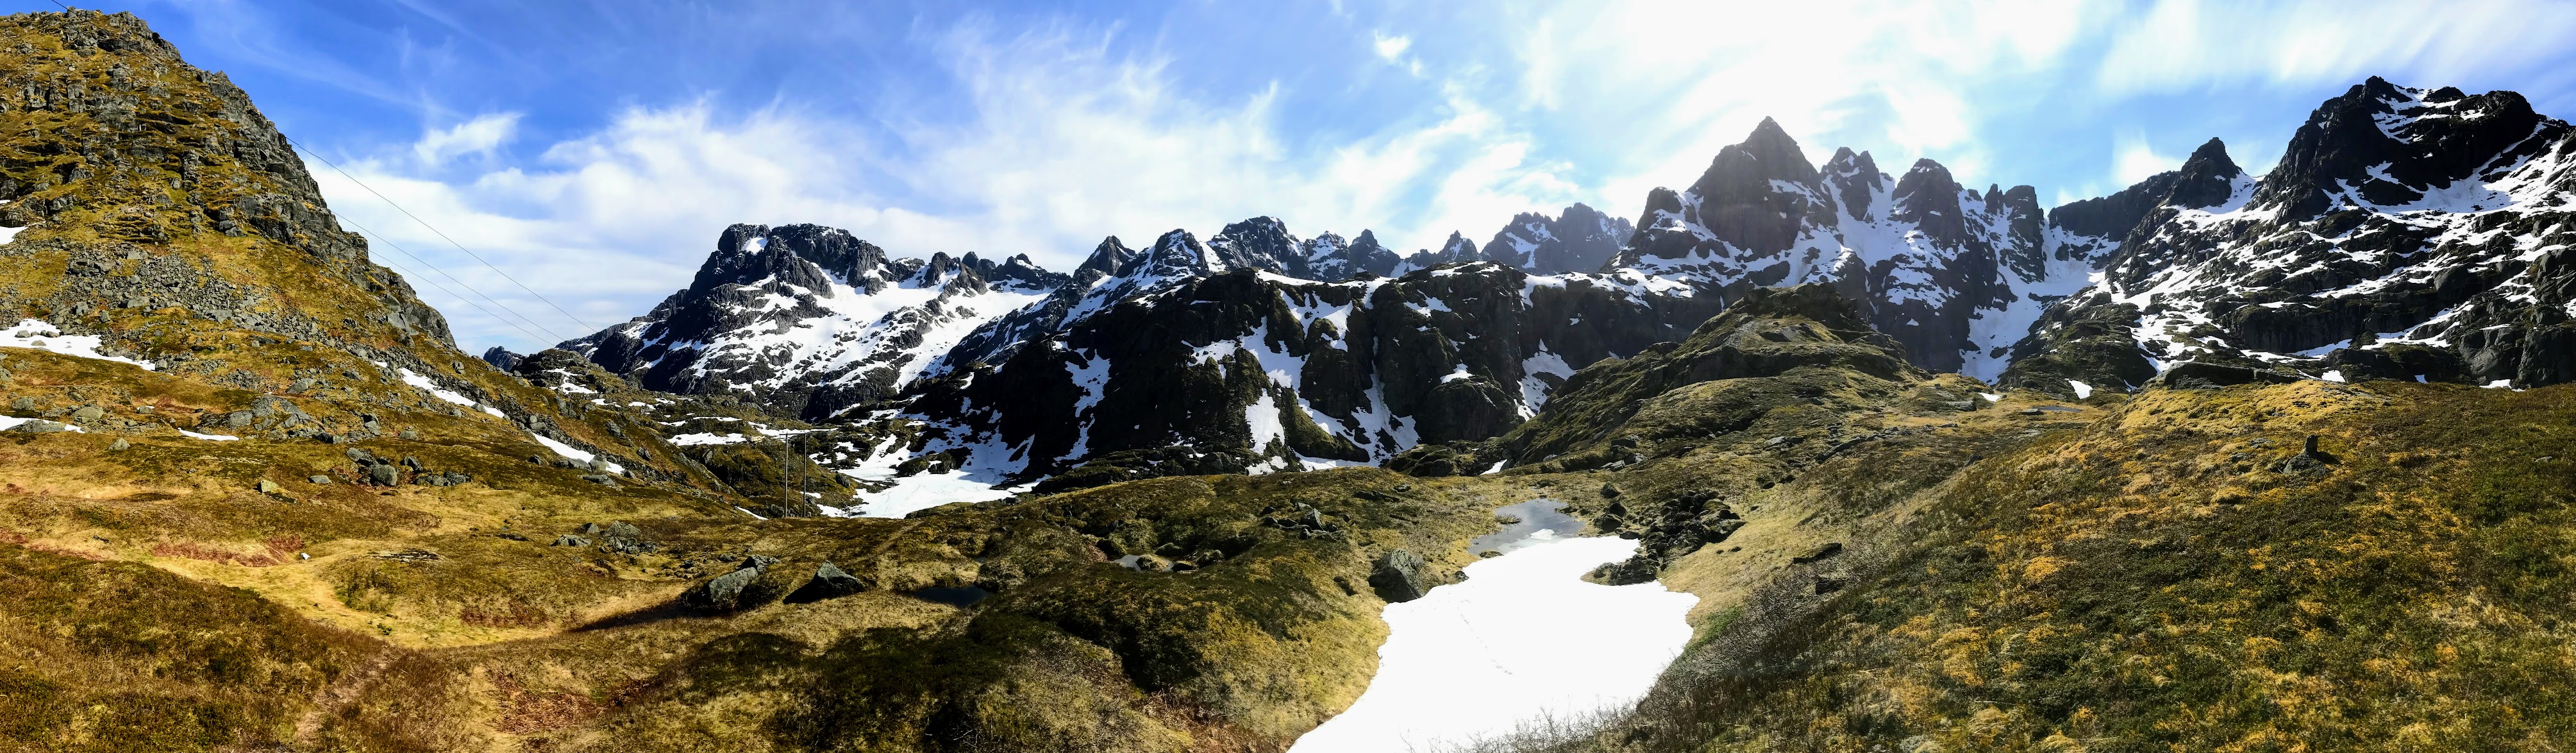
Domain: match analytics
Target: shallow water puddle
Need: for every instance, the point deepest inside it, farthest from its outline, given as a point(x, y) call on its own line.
point(1538, 521)
point(1523, 638)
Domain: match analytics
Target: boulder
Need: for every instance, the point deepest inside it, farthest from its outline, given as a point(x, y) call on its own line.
point(724, 593)
point(119, 444)
point(270, 487)
point(88, 413)
point(39, 427)
point(319, 479)
point(1400, 576)
point(829, 582)
point(383, 474)
point(571, 540)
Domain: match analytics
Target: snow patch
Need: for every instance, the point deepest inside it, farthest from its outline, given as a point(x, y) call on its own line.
point(1473, 660)
point(7, 423)
point(35, 333)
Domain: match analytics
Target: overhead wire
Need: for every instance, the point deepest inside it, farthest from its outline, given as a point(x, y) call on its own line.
point(487, 264)
point(380, 238)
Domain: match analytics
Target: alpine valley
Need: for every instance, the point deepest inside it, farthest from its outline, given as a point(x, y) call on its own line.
point(2220, 461)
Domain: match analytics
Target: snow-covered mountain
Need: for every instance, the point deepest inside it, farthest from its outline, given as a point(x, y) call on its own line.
point(805, 317)
point(1956, 275)
point(2406, 234)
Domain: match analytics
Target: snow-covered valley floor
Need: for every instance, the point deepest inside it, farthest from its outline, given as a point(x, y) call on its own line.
point(1523, 638)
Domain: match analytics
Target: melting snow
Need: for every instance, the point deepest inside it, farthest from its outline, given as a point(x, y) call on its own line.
point(575, 454)
point(2082, 391)
point(35, 333)
point(7, 423)
point(922, 491)
point(208, 437)
point(1473, 660)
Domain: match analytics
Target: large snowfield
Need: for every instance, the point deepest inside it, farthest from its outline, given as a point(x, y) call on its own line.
point(1524, 638)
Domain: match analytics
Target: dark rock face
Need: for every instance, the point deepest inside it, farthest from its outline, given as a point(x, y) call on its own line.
point(1283, 370)
point(2406, 234)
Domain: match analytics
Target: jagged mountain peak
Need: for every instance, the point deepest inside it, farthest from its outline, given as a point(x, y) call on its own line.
point(1579, 239)
point(1106, 258)
point(1175, 254)
point(2383, 145)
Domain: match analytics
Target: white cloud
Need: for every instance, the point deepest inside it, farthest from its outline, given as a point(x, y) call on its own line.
point(1063, 142)
point(478, 136)
point(1392, 48)
point(2179, 44)
point(2133, 159)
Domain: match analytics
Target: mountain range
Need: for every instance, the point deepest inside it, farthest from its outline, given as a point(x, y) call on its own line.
point(2406, 234)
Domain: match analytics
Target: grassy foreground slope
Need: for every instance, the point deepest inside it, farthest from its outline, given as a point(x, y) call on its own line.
point(2175, 575)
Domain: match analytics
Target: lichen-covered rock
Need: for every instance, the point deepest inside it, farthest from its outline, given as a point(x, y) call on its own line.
point(1399, 576)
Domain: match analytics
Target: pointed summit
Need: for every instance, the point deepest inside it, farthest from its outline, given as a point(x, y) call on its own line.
point(1107, 258)
point(2207, 178)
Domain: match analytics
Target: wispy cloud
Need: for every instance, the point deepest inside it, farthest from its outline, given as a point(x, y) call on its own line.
point(1040, 133)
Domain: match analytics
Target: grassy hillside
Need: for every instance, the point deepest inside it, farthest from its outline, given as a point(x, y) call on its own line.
point(2179, 575)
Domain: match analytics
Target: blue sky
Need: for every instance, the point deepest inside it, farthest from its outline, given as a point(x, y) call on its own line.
point(595, 149)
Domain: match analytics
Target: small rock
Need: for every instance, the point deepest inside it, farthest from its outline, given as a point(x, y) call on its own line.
point(119, 444)
point(757, 561)
point(88, 413)
point(409, 434)
point(600, 479)
point(24, 403)
point(302, 556)
point(571, 540)
point(270, 487)
point(320, 479)
point(591, 529)
point(623, 529)
point(381, 474)
point(301, 385)
point(1609, 492)
point(1830, 549)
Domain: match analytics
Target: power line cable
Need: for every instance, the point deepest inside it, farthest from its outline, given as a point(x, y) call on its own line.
point(380, 238)
point(424, 263)
point(335, 167)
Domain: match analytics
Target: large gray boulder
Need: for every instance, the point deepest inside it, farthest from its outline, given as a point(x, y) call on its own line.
point(725, 593)
point(829, 582)
point(1400, 576)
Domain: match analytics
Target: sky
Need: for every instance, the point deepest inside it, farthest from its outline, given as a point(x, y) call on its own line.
point(591, 150)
